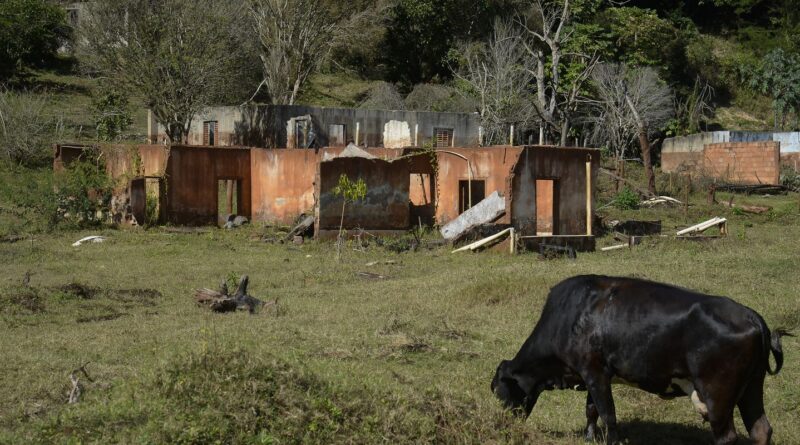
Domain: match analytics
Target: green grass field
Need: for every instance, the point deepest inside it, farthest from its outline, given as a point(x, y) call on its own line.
point(344, 359)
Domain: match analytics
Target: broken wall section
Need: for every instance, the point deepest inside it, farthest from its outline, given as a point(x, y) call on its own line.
point(384, 210)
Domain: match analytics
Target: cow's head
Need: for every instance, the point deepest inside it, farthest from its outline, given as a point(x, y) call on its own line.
point(518, 391)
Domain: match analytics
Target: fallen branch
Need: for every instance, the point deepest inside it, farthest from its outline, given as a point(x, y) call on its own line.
point(220, 301)
point(746, 208)
point(703, 226)
point(615, 247)
point(485, 241)
point(660, 200)
point(75, 392)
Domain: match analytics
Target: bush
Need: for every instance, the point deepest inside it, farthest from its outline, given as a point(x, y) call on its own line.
point(790, 178)
point(26, 129)
point(111, 114)
point(43, 200)
point(31, 31)
point(626, 199)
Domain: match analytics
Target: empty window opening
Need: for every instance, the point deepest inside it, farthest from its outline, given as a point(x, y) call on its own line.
point(152, 200)
point(303, 133)
point(336, 135)
point(467, 199)
point(545, 207)
point(443, 137)
point(210, 133)
point(420, 189)
point(228, 198)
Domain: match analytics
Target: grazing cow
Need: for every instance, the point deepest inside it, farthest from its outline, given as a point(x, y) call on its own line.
point(596, 330)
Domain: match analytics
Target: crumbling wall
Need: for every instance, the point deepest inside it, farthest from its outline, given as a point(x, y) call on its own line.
point(567, 168)
point(743, 162)
point(396, 134)
point(192, 187)
point(283, 183)
point(385, 207)
point(489, 164)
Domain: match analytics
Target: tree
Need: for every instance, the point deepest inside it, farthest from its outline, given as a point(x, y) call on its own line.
point(27, 129)
point(633, 104)
point(351, 191)
point(111, 114)
point(497, 76)
point(178, 55)
point(383, 96)
point(296, 37)
point(778, 78)
point(560, 68)
point(31, 31)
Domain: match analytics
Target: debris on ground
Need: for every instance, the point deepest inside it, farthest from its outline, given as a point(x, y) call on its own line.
point(89, 239)
point(747, 208)
point(304, 227)
point(221, 301)
point(478, 232)
point(186, 230)
point(11, 239)
point(371, 276)
point(752, 189)
point(614, 247)
point(490, 240)
point(375, 263)
point(77, 388)
point(234, 221)
point(484, 212)
point(636, 227)
point(660, 200)
point(553, 251)
point(722, 223)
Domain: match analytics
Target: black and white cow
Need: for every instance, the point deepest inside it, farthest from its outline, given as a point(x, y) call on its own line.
point(596, 330)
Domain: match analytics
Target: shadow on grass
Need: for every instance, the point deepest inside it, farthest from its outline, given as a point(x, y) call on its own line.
point(638, 432)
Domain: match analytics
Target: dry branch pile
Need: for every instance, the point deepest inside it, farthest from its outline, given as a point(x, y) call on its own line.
point(222, 301)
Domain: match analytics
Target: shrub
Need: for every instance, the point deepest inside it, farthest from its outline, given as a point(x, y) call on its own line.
point(790, 178)
point(26, 129)
point(626, 199)
point(111, 114)
point(31, 31)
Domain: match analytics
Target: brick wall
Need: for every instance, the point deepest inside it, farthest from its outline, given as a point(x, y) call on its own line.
point(680, 161)
point(743, 162)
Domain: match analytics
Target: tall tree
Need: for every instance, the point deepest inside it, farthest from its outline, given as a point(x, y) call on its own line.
point(633, 103)
point(560, 69)
point(178, 55)
point(497, 76)
point(297, 36)
point(779, 78)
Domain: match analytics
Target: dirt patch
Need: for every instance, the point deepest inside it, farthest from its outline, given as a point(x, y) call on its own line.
point(26, 298)
point(146, 297)
point(77, 290)
point(96, 318)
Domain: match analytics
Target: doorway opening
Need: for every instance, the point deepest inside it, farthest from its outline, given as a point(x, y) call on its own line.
point(545, 207)
point(229, 192)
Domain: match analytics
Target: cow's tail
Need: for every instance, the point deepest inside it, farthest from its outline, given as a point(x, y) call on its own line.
point(774, 339)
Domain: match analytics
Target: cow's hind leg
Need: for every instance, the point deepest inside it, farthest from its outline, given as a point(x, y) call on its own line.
point(751, 407)
point(591, 418)
point(719, 400)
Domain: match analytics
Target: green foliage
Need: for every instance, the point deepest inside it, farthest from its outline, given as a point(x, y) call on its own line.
point(790, 178)
point(351, 191)
point(31, 31)
point(83, 193)
point(27, 129)
point(779, 78)
point(111, 114)
point(626, 199)
point(640, 37)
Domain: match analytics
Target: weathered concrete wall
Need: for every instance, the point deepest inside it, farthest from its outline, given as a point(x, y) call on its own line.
point(489, 164)
point(386, 206)
point(265, 126)
point(743, 162)
point(283, 183)
point(192, 187)
point(567, 168)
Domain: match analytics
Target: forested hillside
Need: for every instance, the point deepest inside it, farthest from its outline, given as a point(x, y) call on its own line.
point(561, 71)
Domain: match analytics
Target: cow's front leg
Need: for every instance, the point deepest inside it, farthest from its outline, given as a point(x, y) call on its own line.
point(599, 387)
point(591, 418)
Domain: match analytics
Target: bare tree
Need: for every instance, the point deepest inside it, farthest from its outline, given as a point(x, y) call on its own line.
point(496, 76)
point(558, 97)
point(634, 104)
point(178, 55)
point(296, 38)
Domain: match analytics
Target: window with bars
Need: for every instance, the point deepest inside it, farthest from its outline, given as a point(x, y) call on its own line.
point(210, 133)
point(443, 137)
